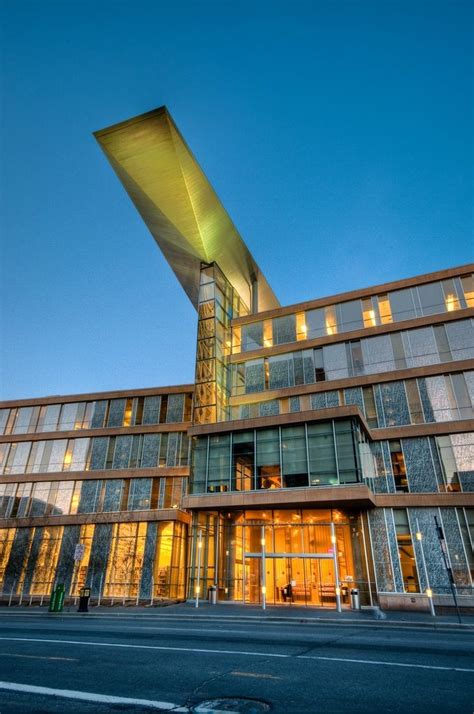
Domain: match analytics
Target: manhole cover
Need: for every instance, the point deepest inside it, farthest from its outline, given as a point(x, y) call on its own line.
point(231, 704)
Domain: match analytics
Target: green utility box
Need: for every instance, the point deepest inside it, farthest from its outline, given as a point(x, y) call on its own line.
point(57, 599)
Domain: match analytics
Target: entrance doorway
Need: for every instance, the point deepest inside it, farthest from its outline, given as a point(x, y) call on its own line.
point(305, 579)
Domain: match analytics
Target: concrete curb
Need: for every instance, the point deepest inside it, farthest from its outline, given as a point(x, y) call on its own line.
point(272, 619)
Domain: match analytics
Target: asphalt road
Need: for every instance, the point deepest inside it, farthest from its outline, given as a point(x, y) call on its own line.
point(177, 662)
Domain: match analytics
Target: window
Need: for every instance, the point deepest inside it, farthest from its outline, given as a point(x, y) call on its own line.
point(431, 298)
point(319, 374)
point(406, 551)
point(398, 466)
point(294, 461)
point(243, 459)
point(315, 323)
point(368, 313)
point(350, 316)
point(402, 305)
point(468, 287)
point(322, 455)
point(384, 309)
point(219, 463)
point(268, 459)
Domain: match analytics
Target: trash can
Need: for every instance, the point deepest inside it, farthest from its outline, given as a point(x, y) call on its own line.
point(57, 599)
point(213, 595)
point(84, 595)
point(355, 600)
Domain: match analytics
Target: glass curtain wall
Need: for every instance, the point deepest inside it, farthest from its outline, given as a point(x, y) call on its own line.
point(299, 562)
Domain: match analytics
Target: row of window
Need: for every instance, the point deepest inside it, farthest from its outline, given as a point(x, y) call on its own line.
point(57, 498)
point(139, 451)
point(398, 305)
point(32, 559)
point(288, 457)
point(372, 355)
point(130, 411)
point(420, 465)
point(412, 401)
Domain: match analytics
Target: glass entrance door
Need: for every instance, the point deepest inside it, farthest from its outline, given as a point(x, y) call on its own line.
point(291, 580)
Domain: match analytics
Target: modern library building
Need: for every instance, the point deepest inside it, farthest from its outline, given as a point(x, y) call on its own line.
point(323, 448)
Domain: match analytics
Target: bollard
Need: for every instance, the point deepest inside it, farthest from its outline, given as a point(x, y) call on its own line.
point(84, 595)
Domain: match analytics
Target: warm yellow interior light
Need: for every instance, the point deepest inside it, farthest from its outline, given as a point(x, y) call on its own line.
point(264, 589)
point(418, 535)
point(429, 592)
point(198, 589)
point(451, 302)
point(333, 539)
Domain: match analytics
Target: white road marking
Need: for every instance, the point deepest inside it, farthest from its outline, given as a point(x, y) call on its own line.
point(202, 650)
point(90, 697)
point(388, 664)
point(25, 656)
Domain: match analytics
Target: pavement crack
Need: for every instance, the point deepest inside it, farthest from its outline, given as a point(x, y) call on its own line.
point(194, 694)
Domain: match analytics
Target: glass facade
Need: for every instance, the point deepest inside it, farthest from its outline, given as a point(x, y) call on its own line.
point(299, 505)
point(386, 308)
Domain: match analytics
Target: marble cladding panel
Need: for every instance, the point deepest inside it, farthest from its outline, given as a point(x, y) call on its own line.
point(116, 410)
point(99, 556)
point(271, 408)
point(393, 544)
point(379, 405)
point(463, 447)
point(381, 551)
point(438, 469)
point(32, 558)
point(65, 567)
point(18, 553)
point(280, 372)
point(318, 400)
point(254, 377)
point(308, 367)
point(89, 493)
point(113, 494)
point(335, 361)
point(252, 336)
point(332, 399)
point(123, 446)
point(172, 452)
point(139, 496)
point(457, 554)
point(151, 449)
point(99, 414)
point(419, 465)
point(469, 377)
point(388, 467)
point(461, 339)
point(284, 329)
point(439, 399)
point(98, 452)
point(395, 406)
point(353, 395)
point(175, 410)
point(148, 561)
point(298, 368)
point(377, 354)
point(294, 405)
point(425, 517)
point(422, 348)
point(151, 410)
point(425, 400)
point(379, 482)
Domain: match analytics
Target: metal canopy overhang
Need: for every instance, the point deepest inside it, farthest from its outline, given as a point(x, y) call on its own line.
point(179, 205)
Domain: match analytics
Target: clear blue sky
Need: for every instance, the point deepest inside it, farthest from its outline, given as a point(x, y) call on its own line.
point(339, 136)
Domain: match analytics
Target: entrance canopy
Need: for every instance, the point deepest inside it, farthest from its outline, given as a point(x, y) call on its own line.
point(180, 207)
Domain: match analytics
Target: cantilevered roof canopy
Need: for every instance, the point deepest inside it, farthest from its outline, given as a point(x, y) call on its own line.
point(179, 205)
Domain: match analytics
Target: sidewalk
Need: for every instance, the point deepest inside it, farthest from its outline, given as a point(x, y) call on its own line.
point(248, 613)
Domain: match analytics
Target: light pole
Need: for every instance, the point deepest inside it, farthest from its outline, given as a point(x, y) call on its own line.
point(336, 567)
point(198, 585)
point(264, 571)
point(429, 592)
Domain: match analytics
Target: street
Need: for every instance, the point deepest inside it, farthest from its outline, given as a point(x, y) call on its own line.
point(177, 662)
